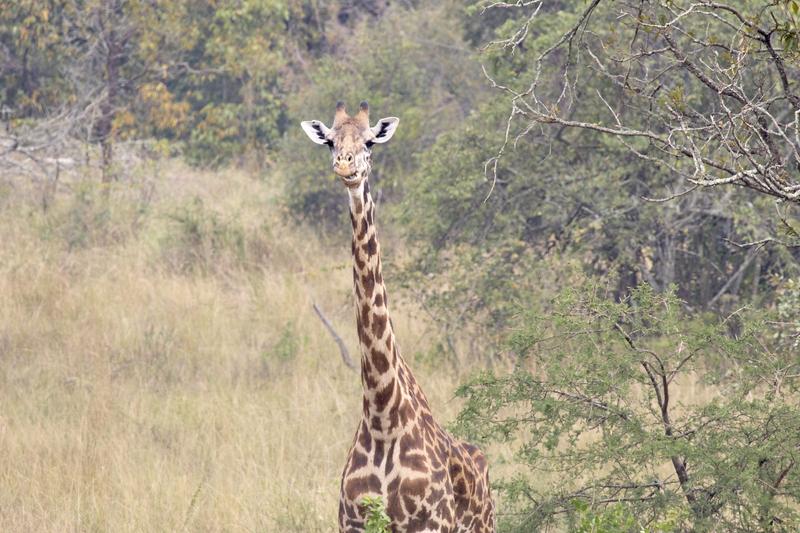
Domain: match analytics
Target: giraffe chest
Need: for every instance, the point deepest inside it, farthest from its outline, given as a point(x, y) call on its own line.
point(409, 473)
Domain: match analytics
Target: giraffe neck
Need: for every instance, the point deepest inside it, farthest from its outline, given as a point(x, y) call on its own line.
point(391, 397)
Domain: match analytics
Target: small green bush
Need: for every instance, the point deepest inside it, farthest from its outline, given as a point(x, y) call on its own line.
point(377, 519)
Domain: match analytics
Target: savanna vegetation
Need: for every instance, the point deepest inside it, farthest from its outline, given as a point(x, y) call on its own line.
point(590, 228)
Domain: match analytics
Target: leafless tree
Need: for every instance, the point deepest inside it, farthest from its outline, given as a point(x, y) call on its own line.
point(101, 72)
point(706, 89)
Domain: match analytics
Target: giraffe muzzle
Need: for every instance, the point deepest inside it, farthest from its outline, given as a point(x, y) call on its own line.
point(345, 171)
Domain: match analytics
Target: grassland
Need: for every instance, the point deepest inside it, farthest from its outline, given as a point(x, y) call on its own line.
point(161, 368)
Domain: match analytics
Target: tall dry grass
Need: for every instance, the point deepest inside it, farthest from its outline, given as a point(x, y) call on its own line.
point(161, 368)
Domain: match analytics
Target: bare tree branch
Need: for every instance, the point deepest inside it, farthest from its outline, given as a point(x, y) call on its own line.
point(336, 338)
point(738, 123)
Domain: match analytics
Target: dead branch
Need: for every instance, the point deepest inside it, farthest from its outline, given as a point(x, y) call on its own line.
point(339, 342)
point(738, 123)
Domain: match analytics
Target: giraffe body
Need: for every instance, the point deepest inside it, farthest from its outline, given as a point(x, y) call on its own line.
point(428, 480)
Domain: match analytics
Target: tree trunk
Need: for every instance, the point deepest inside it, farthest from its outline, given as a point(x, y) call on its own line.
point(113, 61)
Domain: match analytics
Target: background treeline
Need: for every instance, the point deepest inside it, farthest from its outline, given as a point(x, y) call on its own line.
point(650, 317)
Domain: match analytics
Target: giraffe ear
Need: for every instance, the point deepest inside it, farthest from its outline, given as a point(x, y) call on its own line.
point(316, 131)
point(384, 129)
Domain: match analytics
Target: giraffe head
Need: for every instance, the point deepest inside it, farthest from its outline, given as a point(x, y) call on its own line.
point(350, 140)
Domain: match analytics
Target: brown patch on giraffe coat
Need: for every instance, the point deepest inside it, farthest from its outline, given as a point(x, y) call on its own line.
point(435, 462)
point(412, 440)
point(359, 206)
point(462, 503)
point(364, 438)
point(390, 458)
point(379, 360)
point(371, 247)
point(443, 510)
point(358, 460)
point(393, 508)
point(365, 309)
point(383, 396)
point(394, 412)
point(378, 301)
point(365, 405)
point(368, 379)
point(341, 512)
point(421, 523)
point(415, 487)
point(365, 338)
point(377, 457)
point(368, 281)
point(409, 504)
point(455, 470)
point(415, 462)
point(435, 495)
point(362, 335)
point(355, 280)
point(357, 486)
point(378, 326)
point(406, 413)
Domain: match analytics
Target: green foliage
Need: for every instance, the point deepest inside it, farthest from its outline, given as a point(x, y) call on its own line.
point(377, 519)
point(789, 29)
point(565, 196)
point(411, 64)
point(30, 30)
point(236, 103)
point(613, 519)
point(210, 75)
point(601, 412)
point(288, 344)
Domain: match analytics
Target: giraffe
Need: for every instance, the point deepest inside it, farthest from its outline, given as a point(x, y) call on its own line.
point(428, 480)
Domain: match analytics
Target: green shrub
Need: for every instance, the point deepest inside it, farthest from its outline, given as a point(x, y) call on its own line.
point(637, 408)
point(288, 344)
point(377, 519)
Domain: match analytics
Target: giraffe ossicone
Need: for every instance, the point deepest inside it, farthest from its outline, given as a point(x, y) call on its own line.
point(428, 480)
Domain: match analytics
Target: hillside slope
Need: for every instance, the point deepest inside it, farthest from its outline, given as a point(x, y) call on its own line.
point(161, 367)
